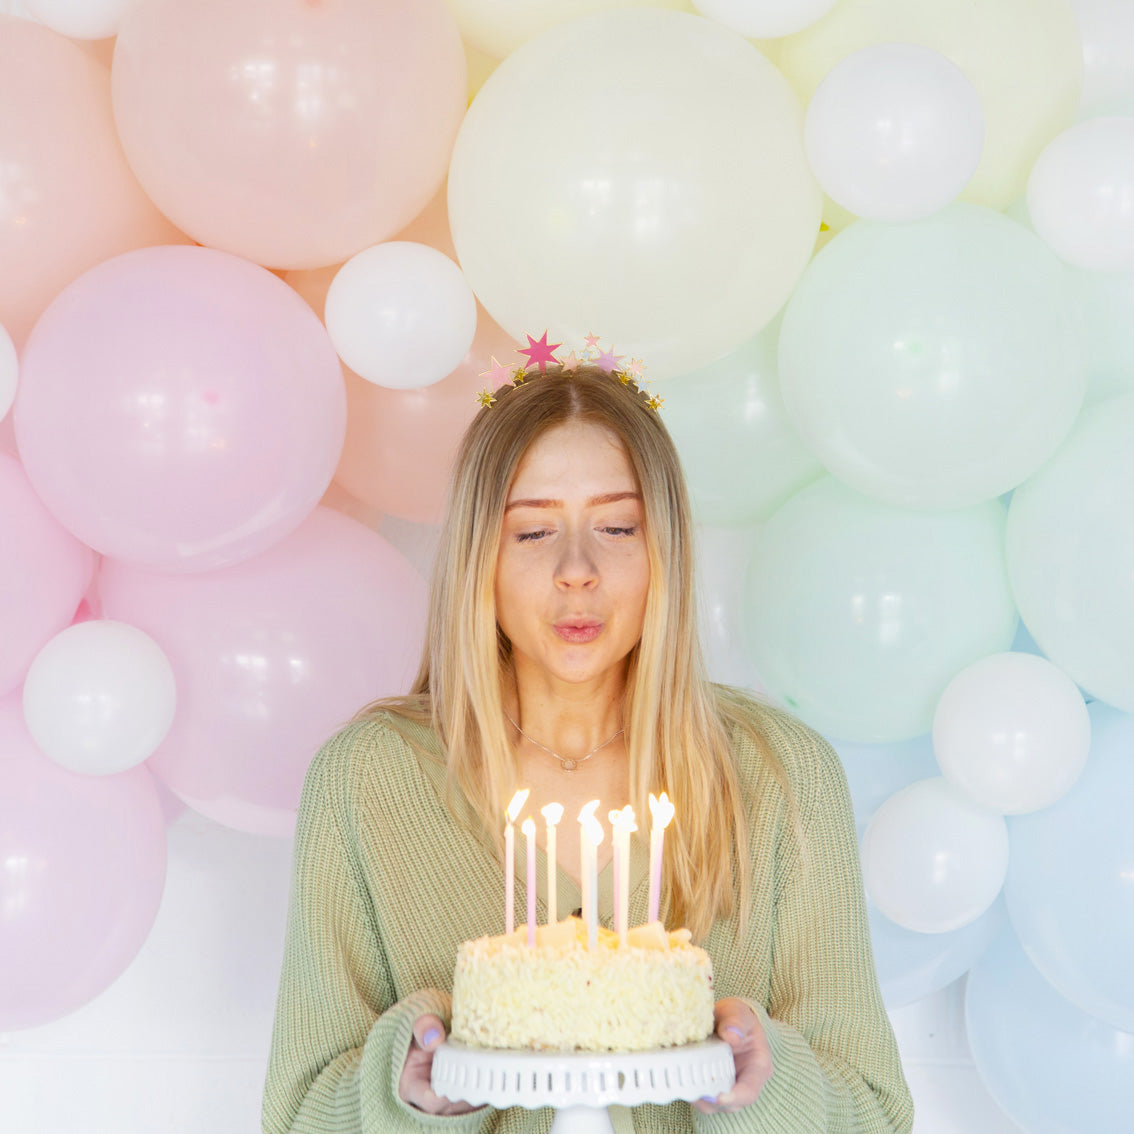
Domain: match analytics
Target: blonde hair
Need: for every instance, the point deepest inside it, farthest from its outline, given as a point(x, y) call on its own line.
point(676, 722)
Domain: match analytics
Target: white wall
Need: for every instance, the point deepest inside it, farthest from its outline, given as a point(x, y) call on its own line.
point(178, 1044)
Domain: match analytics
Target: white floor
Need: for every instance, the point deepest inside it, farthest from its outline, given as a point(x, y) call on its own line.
point(178, 1044)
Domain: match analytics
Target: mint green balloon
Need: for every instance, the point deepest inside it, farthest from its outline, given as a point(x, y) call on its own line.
point(1070, 553)
point(933, 364)
point(741, 454)
point(858, 614)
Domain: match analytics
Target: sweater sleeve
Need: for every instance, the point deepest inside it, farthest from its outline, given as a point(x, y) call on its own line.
point(340, 1039)
point(836, 1066)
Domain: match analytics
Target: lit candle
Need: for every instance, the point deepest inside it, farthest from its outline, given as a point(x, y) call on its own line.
point(661, 811)
point(590, 836)
point(552, 813)
point(518, 801)
point(623, 823)
point(529, 834)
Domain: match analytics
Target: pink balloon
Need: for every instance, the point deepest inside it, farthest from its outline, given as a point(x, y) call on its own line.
point(44, 571)
point(68, 200)
point(180, 408)
point(293, 132)
point(84, 862)
point(271, 656)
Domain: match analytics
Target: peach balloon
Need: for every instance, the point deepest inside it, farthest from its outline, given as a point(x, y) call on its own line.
point(291, 132)
point(68, 200)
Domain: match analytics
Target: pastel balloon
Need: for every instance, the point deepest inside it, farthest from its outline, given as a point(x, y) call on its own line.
point(44, 571)
point(764, 18)
point(80, 19)
point(912, 965)
point(1068, 545)
point(894, 132)
point(85, 861)
point(1023, 57)
point(1012, 732)
point(722, 559)
point(1105, 301)
point(933, 364)
point(99, 697)
point(401, 315)
point(598, 201)
point(68, 200)
point(1068, 889)
point(857, 615)
point(292, 134)
point(498, 27)
point(932, 859)
point(741, 454)
point(1019, 1028)
point(1107, 31)
point(1081, 194)
point(876, 771)
point(9, 372)
point(180, 408)
point(270, 657)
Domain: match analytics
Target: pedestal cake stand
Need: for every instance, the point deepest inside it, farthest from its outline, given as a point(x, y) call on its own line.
point(581, 1085)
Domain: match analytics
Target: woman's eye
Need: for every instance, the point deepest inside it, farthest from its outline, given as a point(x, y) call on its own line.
point(615, 531)
point(526, 537)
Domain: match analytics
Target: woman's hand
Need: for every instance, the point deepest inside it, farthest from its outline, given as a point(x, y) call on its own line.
point(740, 1028)
point(413, 1086)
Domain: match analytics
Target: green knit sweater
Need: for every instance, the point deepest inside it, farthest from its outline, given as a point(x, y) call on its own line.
point(386, 886)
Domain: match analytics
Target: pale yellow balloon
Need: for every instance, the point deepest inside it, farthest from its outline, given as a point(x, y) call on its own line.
point(1024, 57)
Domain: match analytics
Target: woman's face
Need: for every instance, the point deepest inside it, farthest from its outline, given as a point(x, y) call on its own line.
point(572, 570)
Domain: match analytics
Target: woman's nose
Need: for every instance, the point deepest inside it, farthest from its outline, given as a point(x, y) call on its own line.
point(576, 566)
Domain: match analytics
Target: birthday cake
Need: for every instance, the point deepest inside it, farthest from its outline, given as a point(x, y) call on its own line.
point(560, 995)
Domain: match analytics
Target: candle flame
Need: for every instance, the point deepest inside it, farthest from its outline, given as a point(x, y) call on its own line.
point(662, 810)
point(518, 801)
point(592, 828)
point(528, 827)
point(553, 812)
point(623, 820)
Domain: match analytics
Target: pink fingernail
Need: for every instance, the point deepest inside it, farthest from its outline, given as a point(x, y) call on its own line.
point(430, 1037)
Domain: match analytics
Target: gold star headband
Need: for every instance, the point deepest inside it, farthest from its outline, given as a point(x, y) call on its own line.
point(539, 353)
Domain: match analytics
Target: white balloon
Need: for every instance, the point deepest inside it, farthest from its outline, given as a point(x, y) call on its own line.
point(9, 372)
point(80, 19)
point(894, 132)
point(932, 859)
point(1107, 30)
point(401, 314)
point(764, 19)
point(1012, 732)
point(1081, 194)
point(99, 697)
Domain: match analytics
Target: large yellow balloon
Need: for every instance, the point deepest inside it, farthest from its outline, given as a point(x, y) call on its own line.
point(1025, 58)
point(639, 174)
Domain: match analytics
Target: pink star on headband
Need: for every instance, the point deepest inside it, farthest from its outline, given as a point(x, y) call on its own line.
point(571, 362)
point(608, 360)
point(592, 342)
point(539, 352)
point(498, 375)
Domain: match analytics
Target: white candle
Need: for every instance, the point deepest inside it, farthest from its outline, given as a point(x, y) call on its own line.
point(529, 834)
point(623, 823)
point(552, 813)
point(661, 811)
point(590, 836)
point(518, 801)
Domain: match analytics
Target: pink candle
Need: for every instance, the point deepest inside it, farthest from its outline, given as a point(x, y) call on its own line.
point(662, 812)
point(518, 801)
point(552, 813)
point(529, 834)
point(623, 824)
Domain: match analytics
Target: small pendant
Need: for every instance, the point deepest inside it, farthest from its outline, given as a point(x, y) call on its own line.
point(569, 765)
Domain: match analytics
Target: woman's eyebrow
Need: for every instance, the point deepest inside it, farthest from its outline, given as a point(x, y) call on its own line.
point(605, 498)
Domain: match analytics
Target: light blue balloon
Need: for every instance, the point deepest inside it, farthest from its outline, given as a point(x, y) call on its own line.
point(1070, 885)
point(913, 965)
point(858, 614)
point(1053, 1068)
point(741, 454)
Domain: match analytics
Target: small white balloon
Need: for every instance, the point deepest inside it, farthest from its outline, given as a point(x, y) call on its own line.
point(401, 314)
point(80, 19)
point(764, 19)
point(1107, 30)
point(932, 859)
point(9, 372)
point(99, 697)
point(1012, 732)
point(1081, 194)
point(894, 132)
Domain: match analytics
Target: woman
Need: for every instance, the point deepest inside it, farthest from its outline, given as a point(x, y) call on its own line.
point(562, 655)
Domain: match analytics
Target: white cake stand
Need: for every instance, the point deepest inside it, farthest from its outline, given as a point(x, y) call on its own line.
point(581, 1085)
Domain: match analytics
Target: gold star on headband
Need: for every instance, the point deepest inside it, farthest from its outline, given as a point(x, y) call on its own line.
point(622, 377)
point(486, 397)
point(519, 374)
point(655, 402)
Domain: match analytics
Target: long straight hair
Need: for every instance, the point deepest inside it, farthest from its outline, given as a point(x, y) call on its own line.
point(677, 724)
